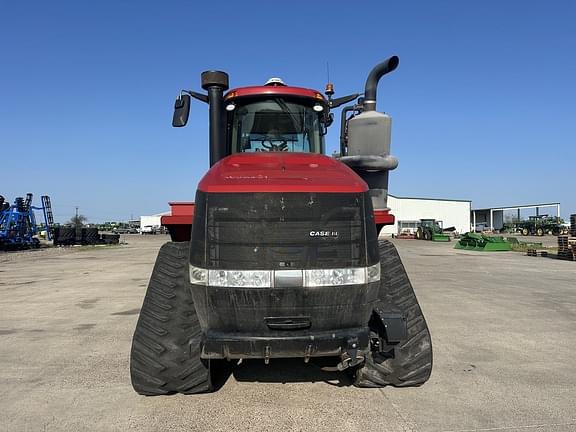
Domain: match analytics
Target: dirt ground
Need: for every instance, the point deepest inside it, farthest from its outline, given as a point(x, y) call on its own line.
point(503, 327)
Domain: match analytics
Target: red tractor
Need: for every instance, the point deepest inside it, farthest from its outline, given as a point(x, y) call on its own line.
point(279, 256)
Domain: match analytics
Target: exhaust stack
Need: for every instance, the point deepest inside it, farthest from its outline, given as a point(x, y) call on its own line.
point(369, 136)
point(371, 87)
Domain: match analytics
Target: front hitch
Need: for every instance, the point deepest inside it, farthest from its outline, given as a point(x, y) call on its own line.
point(349, 358)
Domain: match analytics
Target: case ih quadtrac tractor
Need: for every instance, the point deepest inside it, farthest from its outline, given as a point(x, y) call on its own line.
point(279, 256)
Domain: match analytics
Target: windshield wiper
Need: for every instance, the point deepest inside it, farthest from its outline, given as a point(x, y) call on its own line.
point(286, 110)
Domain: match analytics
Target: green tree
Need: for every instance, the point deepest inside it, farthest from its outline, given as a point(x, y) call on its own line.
point(78, 220)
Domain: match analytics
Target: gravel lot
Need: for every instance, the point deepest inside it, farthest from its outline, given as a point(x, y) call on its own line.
point(503, 328)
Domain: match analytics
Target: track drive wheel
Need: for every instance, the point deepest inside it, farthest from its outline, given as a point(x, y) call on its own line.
point(409, 362)
point(165, 355)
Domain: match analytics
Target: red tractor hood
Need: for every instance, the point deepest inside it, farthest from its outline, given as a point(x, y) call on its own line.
point(281, 172)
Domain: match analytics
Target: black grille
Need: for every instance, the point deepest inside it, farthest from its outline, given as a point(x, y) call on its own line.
point(273, 230)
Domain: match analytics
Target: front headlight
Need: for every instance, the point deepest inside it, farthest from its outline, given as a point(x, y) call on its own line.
point(198, 276)
point(329, 277)
point(267, 278)
point(240, 278)
point(341, 276)
point(373, 273)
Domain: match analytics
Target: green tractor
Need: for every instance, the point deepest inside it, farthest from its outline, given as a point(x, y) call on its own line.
point(541, 225)
point(430, 229)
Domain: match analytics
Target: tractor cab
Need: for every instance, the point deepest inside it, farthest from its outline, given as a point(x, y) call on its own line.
point(275, 118)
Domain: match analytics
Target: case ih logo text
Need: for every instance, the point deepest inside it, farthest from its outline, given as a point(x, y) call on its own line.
point(323, 233)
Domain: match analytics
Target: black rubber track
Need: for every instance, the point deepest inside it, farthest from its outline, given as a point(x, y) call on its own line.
point(165, 355)
point(411, 362)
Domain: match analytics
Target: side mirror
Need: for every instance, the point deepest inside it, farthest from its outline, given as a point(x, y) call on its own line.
point(181, 110)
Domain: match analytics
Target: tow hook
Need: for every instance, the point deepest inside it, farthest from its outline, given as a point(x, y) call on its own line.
point(351, 357)
point(267, 354)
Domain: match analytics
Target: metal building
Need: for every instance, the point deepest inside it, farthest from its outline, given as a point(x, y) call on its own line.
point(492, 218)
point(408, 212)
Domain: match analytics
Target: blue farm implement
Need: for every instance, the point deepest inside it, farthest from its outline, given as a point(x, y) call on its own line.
point(18, 229)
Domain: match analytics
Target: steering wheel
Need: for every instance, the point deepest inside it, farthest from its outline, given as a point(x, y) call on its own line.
point(283, 147)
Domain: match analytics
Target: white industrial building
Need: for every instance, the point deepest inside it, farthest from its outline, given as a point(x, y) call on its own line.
point(408, 212)
point(152, 220)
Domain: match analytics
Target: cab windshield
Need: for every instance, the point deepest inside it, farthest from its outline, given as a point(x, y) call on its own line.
point(275, 125)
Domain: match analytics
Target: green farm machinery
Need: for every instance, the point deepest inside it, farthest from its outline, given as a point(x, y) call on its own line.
point(540, 225)
point(481, 242)
point(430, 229)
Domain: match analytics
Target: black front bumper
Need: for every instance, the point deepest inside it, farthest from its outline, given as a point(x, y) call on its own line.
point(322, 344)
point(283, 322)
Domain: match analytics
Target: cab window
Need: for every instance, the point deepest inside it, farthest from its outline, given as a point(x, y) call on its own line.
point(275, 125)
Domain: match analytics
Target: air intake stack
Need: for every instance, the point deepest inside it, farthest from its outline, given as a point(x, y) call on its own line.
point(216, 83)
point(368, 139)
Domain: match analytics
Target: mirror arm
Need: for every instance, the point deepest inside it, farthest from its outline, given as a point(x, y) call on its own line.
point(199, 96)
point(335, 103)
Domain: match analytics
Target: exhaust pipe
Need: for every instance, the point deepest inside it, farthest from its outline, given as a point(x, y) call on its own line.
point(376, 73)
point(216, 83)
point(368, 139)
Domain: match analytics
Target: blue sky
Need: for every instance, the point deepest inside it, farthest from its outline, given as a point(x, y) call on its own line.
point(483, 102)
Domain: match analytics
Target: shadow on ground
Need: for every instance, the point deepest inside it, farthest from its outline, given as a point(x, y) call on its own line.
point(290, 371)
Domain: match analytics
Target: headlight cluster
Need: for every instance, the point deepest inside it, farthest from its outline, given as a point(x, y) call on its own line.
point(266, 278)
point(239, 278)
point(343, 276)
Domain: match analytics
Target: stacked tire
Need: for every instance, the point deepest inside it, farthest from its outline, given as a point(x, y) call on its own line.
point(90, 236)
point(64, 236)
point(67, 236)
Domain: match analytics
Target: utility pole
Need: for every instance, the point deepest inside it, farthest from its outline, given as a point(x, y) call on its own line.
point(77, 226)
point(76, 221)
